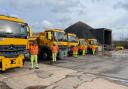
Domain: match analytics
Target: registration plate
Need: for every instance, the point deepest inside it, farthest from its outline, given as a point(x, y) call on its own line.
point(13, 61)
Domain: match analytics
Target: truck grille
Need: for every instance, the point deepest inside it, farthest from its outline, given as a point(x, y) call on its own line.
point(63, 47)
point(10, 51)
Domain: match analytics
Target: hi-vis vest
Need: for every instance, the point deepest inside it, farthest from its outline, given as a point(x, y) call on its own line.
point(33, 50)
point(74, 49)
point(94, 48)
point(54, 49)
point(84, 47)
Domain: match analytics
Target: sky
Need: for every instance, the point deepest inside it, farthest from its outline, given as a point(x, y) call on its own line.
point(43, 14)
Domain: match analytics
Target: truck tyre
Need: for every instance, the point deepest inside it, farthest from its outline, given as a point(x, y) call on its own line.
point(45, 54)
point(89, 51)
point(23, 61)
point(70, 53)
point(80, 52)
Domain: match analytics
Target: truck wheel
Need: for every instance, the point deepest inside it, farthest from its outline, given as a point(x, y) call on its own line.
point(23, 61)
point(91, 51)
point(0, 64)
point(70, 53)
point(80, 52)
point(45, 54)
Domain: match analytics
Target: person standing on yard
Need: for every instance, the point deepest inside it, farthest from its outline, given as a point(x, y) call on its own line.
point(75, 51)
point(54, 49)
point(93, 49)
point(34, 53)
point(84, 49)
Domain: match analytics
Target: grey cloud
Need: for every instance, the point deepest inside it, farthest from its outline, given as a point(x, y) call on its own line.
point(95, 1)
point(65, 20)
point(64, 6)
point(47, 25)
point(121, 4)
point(56, 10)
point(55, 5)
point(25, 5)
point(81, 11)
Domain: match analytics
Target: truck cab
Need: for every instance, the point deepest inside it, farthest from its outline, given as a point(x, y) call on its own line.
point(13, 42)
point(72, 41)
point(91, 43)
point(47, 38)
point(82, 42)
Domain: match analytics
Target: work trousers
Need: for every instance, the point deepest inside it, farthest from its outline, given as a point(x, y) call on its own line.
point(75, 54)
point(54, 56)
point(34, 61)
point(93, 52)
point(83, 52)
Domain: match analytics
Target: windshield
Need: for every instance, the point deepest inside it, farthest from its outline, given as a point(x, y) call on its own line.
point(60, 36)
point(72, 39)
point(82, 42)
point(12, 29)
point(94, 42)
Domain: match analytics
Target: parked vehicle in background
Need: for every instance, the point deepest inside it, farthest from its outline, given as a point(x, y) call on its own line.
point(72, 41)
point(49, 37)
point(82, 43)
point(91, 43)
point(119, 47)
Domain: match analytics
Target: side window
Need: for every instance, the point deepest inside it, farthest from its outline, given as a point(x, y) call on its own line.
point(90, 42)
point(47, 35)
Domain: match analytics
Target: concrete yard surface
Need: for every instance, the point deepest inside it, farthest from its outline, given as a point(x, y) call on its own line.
point(52, 77)
point(45, 76)
point(84, 72)
point(101, 84)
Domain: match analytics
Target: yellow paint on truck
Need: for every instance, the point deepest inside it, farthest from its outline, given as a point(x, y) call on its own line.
point(47, 38)
point(14, 45)
point(91, 43)
point(72, 41)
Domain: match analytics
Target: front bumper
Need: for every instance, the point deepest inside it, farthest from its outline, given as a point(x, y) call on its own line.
point(7, 63)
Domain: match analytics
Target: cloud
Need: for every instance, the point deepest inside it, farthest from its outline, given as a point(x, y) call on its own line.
point(44, 14)
point(61, 11)
point(121, 5)
point(24, 5)
point(95, 1)
point(15, 15)
point(63, 5)
point(120, 33)
point(47, 25)
point(54, 5)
